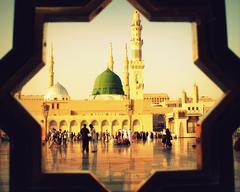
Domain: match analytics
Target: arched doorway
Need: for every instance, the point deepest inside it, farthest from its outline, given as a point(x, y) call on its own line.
point(63, 125)
point(52, 124)
point(171, 124)
point(83, 122)
point(105, 126)
point(125, 127)
point(74, 127)
point(96, 125)
point(115, 127)
point(125, 124)
point(136, 126)
point(191, 124)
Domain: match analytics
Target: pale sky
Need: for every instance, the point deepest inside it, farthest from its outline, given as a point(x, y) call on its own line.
point(81, 52)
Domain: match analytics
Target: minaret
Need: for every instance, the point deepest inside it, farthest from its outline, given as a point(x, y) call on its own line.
point(110, 59)
point(136, 63)
point(136, 41)
point(126, 73)
point(51, 69)
point(184, 97)
point(195, 93)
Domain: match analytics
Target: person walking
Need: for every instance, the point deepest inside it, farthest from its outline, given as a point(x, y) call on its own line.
point(168, 143)
point(94, 138)
point(60, 137)
point(53, 139)
point(65, 137)
point(85, 138)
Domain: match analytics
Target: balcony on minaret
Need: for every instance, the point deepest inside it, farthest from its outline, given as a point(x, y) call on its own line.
point(136, 18)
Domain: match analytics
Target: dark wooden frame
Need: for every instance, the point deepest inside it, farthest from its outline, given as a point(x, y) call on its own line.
point(212, 56)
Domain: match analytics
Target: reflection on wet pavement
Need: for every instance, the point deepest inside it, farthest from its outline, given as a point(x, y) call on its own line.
point(119, 168)
point(122, 168)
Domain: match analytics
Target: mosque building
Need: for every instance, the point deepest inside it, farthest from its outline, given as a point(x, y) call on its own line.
point(117, 104)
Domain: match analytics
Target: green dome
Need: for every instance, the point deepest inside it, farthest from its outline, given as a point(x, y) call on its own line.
point(107, 83)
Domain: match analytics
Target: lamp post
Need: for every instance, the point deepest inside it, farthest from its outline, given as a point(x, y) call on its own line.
point(45, 110)
point(130, 111)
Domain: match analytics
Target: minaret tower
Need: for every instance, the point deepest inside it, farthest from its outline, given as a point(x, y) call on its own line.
point(184, 97)
point(51, 69)
point(136, 63)
point(195, 95)
point(110, 59)
point(126, 73)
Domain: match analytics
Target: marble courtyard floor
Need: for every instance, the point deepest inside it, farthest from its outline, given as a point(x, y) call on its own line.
point(119, 168)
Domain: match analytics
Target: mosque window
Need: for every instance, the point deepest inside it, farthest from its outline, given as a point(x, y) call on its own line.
point(181, 115)
point(52, 105)
point(57, 105)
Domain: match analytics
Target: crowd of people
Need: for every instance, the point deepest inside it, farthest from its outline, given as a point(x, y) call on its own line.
point(121, 137)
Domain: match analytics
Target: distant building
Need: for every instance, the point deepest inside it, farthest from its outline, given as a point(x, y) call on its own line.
point(156, 98)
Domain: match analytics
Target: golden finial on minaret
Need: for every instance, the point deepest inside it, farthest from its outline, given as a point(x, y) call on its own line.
point(136, 17)
point(110, 59)
point(51, 69)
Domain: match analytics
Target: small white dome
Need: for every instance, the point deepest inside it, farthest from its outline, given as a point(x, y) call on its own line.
point(56, 92)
